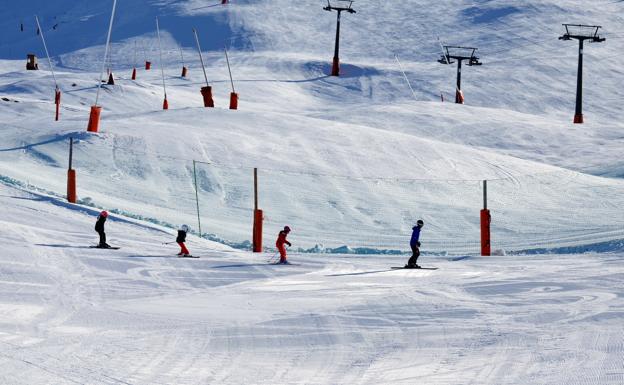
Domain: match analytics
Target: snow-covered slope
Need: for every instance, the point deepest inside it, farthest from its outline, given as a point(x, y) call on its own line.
point(70, 314)
point(349, 163)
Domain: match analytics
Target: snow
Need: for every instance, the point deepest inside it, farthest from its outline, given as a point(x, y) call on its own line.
point(349, 163)
point(141, 316)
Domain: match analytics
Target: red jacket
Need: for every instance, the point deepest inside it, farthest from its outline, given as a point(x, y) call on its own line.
point(281, 239)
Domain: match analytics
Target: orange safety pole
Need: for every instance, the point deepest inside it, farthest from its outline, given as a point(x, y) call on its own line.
point(162, 68)
point(258, 218)
point(71, 176)
point(207, 94)
point(486, 220)
point(207, 90)
point(94, 119)
point(233, 101)
point(94, 116)
point(233, 94)
point(71, 186)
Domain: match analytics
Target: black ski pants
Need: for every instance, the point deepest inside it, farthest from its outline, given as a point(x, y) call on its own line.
point(102, 235)
point(415, 255)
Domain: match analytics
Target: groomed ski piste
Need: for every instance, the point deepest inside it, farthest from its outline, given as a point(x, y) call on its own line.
point(350, 163)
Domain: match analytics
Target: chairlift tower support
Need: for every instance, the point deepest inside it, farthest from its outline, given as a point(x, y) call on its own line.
point(448, 58)
point(338, 6)
point(581, 33)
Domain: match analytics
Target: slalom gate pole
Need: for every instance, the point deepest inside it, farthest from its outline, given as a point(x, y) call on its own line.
point(57, 93)
point(233, 94)
point(94, 117)
point(162, 69)
point(207, 90)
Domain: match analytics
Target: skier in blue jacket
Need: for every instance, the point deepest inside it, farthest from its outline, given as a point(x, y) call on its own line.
point(415, 244)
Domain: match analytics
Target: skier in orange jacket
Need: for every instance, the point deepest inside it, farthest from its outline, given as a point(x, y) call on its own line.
point(281, 240)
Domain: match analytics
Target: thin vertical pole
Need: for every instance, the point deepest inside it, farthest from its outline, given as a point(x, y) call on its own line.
point(405, 76)
point(485, 194)
point(45, 46)
point(459, 67)
point(182, 56)
point(255, 189)
point(71, 152)
point(229, 70)
point(162, 69)
point(578, 118)
point(197, 198)
point(201, 58)
point(110, 28)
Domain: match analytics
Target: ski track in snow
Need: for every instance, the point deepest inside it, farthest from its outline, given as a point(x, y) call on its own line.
point(139, 315)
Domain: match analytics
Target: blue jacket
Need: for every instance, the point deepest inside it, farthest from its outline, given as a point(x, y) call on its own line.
point(415, 235)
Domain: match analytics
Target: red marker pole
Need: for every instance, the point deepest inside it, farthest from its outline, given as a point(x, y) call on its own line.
point(207, 90)
point(94, 117)
point(233, 94)
point(162, 69)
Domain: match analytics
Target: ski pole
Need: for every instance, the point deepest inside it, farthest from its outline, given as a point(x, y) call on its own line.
point(274, 256)
point(168, 243)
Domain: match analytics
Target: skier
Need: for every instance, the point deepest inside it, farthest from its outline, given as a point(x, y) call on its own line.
point(181, 239)
point(281, 240)
point(99, 228)
point(415, 244)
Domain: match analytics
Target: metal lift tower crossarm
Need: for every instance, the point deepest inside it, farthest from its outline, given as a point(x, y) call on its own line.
point(448, 58)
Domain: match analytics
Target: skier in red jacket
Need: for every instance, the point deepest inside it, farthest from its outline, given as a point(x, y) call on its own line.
point(281, 240)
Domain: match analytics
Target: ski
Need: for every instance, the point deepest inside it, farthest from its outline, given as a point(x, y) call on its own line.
point(413, 268)
point(104, 248)
point(187, 256)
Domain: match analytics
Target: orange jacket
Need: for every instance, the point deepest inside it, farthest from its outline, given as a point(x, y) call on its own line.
point(281, 239)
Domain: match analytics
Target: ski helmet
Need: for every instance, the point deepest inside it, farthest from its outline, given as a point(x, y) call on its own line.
point(104, 214)
point(184, 228)
point(287, 229)
point(420, 222)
